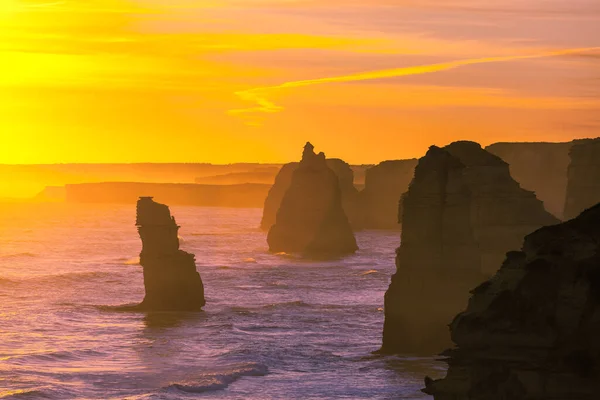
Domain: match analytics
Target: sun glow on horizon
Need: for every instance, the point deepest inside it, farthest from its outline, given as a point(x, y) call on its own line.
point(158, 81)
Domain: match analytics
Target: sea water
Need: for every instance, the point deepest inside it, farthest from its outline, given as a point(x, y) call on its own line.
point(274, 326)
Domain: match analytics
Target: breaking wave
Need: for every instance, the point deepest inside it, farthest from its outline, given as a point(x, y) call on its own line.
point(219, 380)
point(19, 255)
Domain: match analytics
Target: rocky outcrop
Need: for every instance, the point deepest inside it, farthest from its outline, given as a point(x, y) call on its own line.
point(384, 185)
point(284, 179)
point(170, 277)
point(539, 167)
point(311, 219)
point(532, 332)
point(461, 214)
point(583, 188)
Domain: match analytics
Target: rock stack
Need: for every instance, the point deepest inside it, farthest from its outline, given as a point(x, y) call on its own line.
point(539, 167)
point(170, 277)
point(311, 219)
point(284, 180)
point(532, 332)
point(385, 184)
point(461, 214)
point(583, 188)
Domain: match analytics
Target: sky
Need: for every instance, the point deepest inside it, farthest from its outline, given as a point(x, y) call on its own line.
point(251, 80)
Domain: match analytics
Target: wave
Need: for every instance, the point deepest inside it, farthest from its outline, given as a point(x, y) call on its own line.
point(277, 284)
point(69, 277)
point(369, 272)
point(6, 281)
point(132, 261)
point(288, 304)
point(53, 356)
point(255, 309)
point(19, 255)
point(25, 394)
point(219, 380)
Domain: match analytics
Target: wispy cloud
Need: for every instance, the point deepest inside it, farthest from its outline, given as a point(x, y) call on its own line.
point(263, 104)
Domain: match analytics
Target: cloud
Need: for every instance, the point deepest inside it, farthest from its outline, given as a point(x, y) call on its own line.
point(264, 105)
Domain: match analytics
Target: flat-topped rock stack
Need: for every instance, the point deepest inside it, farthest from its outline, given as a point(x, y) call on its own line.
point(539, 167)
point(461, 214)
point(385, 184)
point(532, 332)
point(170, 277)
point(311, 219)
point(583, 187)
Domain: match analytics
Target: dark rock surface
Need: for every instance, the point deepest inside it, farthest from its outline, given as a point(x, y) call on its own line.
point(583, 188)
point(539, 167)
point(532, 332)
point(462, 212)
point(170, 277)
point(385, 184)
point(284, 179)
point(311, 219)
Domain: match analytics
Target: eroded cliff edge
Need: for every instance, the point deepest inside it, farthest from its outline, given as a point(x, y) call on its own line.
point(583, 187)
point(539, 167)
point(533, 330)
point(311, 219)
point(170, 277)
point(461, 214)
point(385, 184)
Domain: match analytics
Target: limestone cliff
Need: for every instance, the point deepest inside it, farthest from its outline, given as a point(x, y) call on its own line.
point(532, 332)
point(170, 277)
point(583, 188)
point(311, 219)
point(461, 214)
point(384, 185)
point(539, 167)
point(284, 179)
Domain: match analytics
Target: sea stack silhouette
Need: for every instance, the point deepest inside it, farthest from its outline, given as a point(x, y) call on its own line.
point(462, 213)
point(583, 187)
point(170, 277)
point(539, 167)
point(311, 220)
point(533, 330)
point(385, 184)
point(283, 180)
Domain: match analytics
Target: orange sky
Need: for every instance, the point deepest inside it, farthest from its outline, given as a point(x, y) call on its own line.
point(251, 80)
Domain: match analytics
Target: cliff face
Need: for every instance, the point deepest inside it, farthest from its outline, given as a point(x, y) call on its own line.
point(461, 214)
point(532, 332)
point(250, 195)
point(539, 167)
point(170, 277)
point(583, 188)
point(384, 185)
point(284, 179)
point(311, 219)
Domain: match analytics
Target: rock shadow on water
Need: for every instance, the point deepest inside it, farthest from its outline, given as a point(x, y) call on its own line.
point(154, 320)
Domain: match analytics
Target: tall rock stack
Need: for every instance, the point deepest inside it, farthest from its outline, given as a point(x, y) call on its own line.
point(539, 167)
point(583, 188)
point(532, 332)
point(170, 277)
point(385, 184)
point(284, 180)
point(461, 214)
point(311, 219)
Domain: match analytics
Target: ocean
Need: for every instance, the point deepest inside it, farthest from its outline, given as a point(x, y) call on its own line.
point(274, 326)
